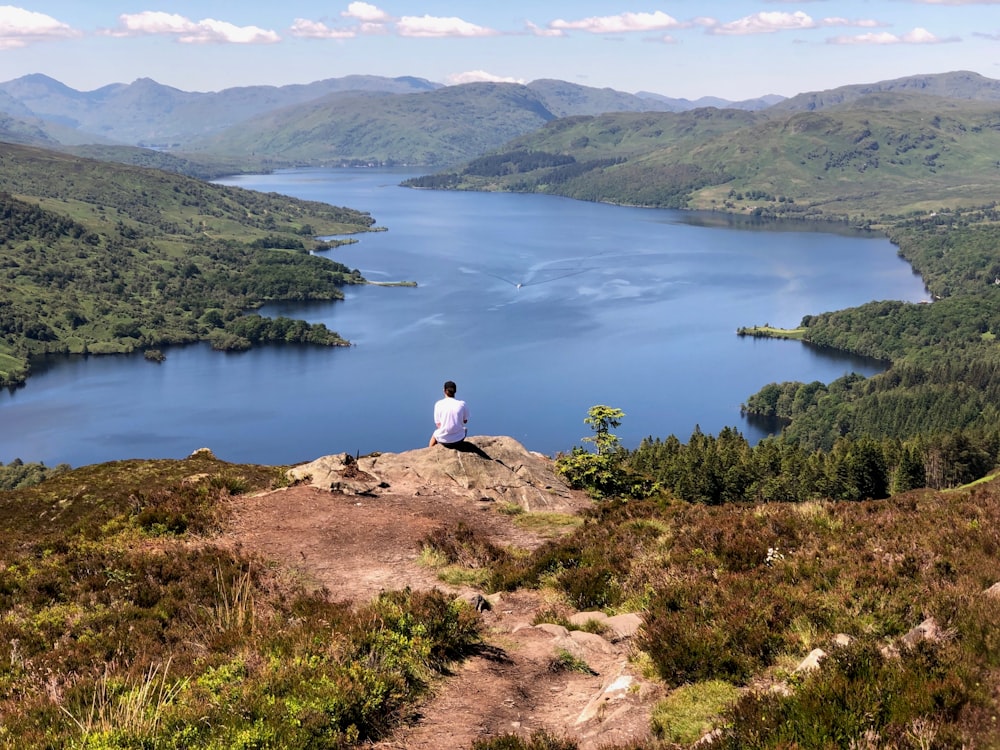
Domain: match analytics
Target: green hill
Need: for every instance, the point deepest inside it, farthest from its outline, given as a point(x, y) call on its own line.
point(884, 153)
point(445, 126)
point(99, 258)
point(959, 84)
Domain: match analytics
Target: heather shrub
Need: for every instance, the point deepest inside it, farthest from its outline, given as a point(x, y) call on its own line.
point(590, 564)
point(122, 633)
point(861, 696)
point(698, 630)
point(462, 545)
point(539, 740)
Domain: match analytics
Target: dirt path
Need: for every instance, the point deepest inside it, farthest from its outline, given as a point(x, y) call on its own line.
point(357, 546)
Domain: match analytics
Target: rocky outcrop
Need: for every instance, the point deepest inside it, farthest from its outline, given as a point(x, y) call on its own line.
point(485, 469)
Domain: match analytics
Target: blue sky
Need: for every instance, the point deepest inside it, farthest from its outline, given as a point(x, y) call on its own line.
point(733, 49)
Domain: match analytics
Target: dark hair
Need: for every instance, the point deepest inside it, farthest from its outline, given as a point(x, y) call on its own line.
point(450, 387)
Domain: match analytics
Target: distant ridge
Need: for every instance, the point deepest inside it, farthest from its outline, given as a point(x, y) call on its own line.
point(145, 112)
point(960, 84)
point(148, 113)
point(682, 105)
point(362, 120)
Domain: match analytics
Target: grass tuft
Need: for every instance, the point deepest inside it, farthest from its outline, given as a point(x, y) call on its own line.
point(692, 711)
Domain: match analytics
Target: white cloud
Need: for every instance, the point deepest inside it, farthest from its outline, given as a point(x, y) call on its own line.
point(366, 13)
point(307, 29)
point(766, 22)
point(205, 31)
point(861, 23)
point(436, 26)
point(539, 31)
point(769, 22)
point(958, 2)
point(623, 22)
point(371, 19)
point(917, 36)
point(20, 27)
point(480, 76)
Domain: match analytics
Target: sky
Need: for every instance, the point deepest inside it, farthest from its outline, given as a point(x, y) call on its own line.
point(733, 49)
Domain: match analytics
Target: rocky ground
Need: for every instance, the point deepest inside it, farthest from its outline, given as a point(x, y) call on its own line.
point(354, 526)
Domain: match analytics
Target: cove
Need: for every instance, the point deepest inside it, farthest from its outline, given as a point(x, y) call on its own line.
point(537, 306)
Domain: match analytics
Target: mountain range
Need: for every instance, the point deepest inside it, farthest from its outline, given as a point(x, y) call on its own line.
point(350, 119)
point(364, 120)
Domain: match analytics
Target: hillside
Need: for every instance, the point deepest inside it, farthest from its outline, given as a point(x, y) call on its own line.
point(209, 604)
point(104, 258)
point(439, 127)
point(880, 154)
point(956, 85)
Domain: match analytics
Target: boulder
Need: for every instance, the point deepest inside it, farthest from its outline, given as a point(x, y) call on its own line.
point(812, 661)
point(624, 625)
point(928, 630)
point(842, 640)
point(486, 469)
point(580, 619)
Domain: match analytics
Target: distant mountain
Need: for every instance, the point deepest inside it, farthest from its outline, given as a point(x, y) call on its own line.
point(440, 127)
point(682, 105)
point(568, 99)
point(436, 128)
point(370, 119)
point(145, 112)
point(14, 130)
point(956, 85)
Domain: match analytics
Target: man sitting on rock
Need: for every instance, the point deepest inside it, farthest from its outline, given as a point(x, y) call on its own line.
point(450, 416)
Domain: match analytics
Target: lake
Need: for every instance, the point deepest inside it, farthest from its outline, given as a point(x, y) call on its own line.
point(537, 306)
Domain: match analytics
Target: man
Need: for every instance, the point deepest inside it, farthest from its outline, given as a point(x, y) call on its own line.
point(450, 416)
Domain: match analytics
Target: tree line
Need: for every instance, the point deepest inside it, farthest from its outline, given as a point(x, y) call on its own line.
point(714, 470)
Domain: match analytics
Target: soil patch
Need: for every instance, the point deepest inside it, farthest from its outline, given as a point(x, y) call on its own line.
point(355, 546)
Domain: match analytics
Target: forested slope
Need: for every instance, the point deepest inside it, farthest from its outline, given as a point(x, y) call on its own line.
point(101, 258)
point(884, 154)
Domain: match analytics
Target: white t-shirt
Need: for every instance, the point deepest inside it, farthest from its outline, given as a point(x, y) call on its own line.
point(451, 414)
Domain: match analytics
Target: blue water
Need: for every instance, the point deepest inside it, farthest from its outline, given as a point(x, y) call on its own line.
point(634, 308)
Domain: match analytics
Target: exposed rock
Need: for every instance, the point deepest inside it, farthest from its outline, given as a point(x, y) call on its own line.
point(994, 590)
point(489, 468)
point(624, 625)
point(812, 661)
point(552, 629)
point(580, 619)
point(619, 626)
point(588, 642)
point(889, 651)
point(841, 640)
point(928, 630)
point(617, 689)
point(708, 739)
